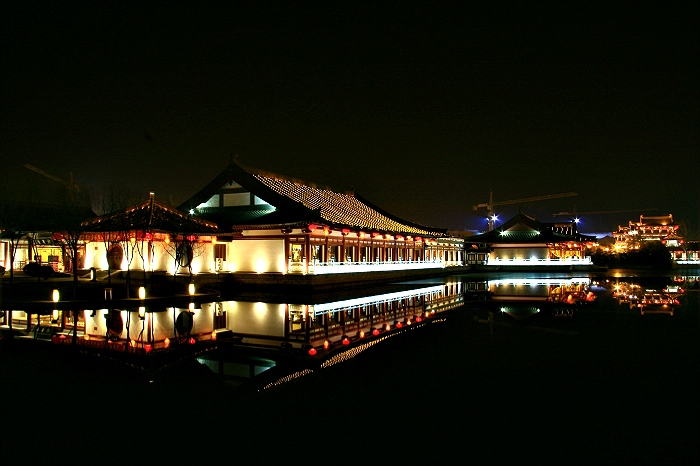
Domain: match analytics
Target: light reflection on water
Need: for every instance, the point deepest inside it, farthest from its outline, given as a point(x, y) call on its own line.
point(335, 322)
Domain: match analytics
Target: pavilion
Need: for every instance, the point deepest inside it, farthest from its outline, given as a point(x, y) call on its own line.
point(524, 241)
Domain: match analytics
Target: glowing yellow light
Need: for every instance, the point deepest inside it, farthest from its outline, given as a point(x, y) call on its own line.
point(142, 312)
point(190, 288)
point(87, 337)
point(142, 292)
point(54, 296)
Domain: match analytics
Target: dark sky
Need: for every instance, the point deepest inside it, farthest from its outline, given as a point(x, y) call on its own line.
point(421, 108)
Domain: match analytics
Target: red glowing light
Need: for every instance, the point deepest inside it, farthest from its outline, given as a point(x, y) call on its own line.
point(419, 318)
point(149, 236)
point(312, 227)
point(345, 231)
point(399, 325)
point(191, 341)
point(147, 348)
point(312, 351)
point(375, 332)
point(191, 237)
point(346, 341)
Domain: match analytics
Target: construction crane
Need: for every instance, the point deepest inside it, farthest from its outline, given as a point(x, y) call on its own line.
point(575, 214)
point(70, 184)
point(490, 205)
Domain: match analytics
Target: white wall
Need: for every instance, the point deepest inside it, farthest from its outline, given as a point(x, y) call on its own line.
point(259, 256)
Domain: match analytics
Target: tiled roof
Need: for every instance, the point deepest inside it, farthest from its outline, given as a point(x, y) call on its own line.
point(526, 230)
point(297, 201)
point(340, 208)
point(150, 215)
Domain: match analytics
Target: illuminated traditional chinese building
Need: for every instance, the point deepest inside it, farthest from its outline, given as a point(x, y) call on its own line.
point(250, 221)
point(649, 228)
point(523, 241)
point(149, 236)
point(271, 223)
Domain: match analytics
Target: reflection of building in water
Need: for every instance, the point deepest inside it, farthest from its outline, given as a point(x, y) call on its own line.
point(570, 291)
point(648, 300)
point(312, 324)
point(257, 323)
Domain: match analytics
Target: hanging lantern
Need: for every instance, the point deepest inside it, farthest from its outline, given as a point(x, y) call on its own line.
point(312, 351)
point(388, 327)
point(362, 333)
point(149, 237)
point(147, 348)
point(213, 335)
point(375, 332)
point(326, 344)
point(166, 342)
point(191, 341)
point(346, 340)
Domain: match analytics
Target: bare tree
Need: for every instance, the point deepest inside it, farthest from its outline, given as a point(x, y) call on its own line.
point(75, 208)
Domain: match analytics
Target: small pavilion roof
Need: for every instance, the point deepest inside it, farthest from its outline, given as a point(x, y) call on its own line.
point(299, 202)
point(151, 215)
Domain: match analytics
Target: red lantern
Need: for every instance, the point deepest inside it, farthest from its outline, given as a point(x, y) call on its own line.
point(191, 238)
point(149, 236)
point(375, 332)
point(346, 340)
point(312, 227)
point(418, 318)
point(191, 341)
point(147, 348)
point(312, 351)
point(399, 325)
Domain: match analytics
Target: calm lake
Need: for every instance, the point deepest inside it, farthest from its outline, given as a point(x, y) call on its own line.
point(502, 374)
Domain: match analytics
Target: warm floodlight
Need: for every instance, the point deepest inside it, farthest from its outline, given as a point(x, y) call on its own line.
point(142, 312)
point(191, 289)
point(54, 296)
point(142, 292)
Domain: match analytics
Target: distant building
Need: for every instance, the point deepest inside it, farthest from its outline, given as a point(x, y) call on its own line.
point(524, 241)
point(649, 228)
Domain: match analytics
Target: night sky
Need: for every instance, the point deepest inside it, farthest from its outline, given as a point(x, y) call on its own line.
point(421, 108)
